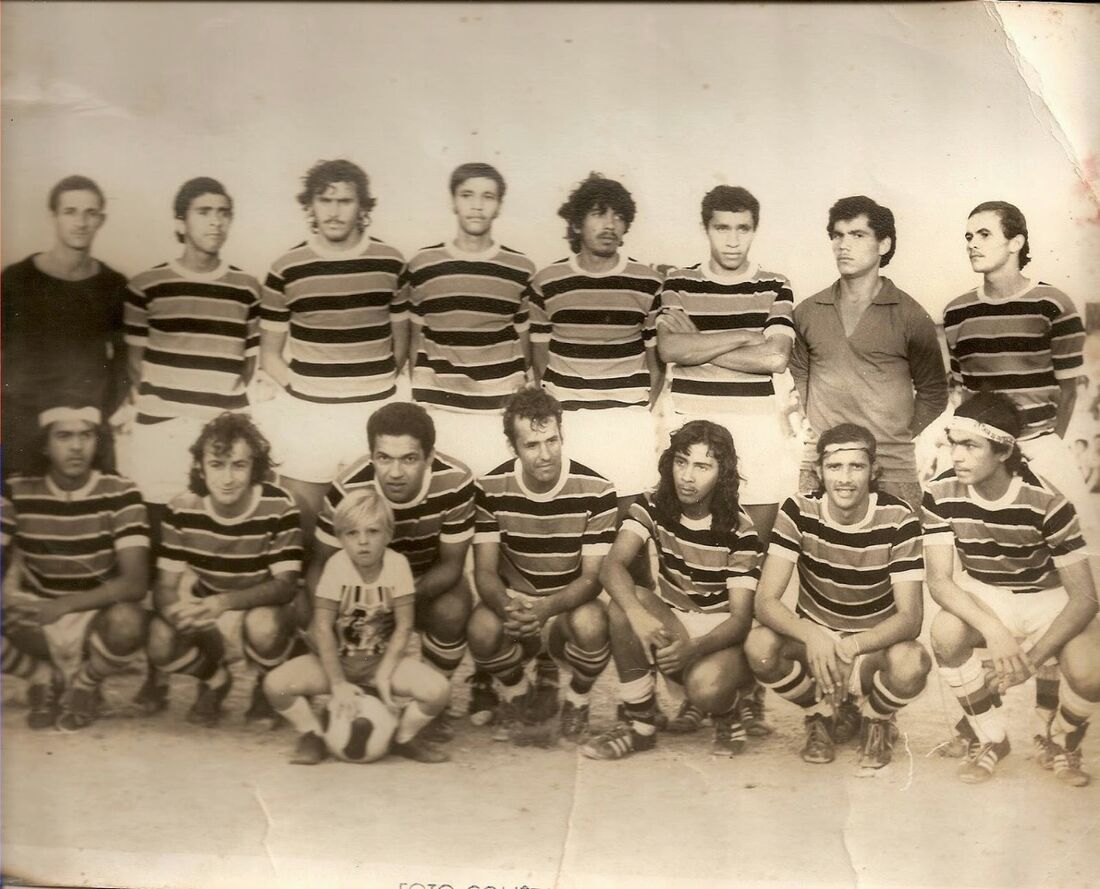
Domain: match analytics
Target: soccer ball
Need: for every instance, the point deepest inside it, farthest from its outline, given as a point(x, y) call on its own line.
point(364, 738)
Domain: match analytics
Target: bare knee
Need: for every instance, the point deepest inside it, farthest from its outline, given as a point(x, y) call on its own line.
point(123, 628)
point(266, 628)
point(763, 650)
point(162, 641)
point(1080, 662)
point(588, 625)
point(711, 683)
point(449, 612)
point(951, 639)
point(907, 666)
point(484, 631)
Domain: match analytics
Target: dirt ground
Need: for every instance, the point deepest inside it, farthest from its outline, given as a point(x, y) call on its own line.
point(157, 802)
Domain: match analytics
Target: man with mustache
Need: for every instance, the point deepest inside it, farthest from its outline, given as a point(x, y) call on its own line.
point(335, 299)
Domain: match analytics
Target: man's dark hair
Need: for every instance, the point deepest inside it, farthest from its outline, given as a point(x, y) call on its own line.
point(402, 418)
point(719, 442)
point(730, 199)
point(841, 434)
point(536, 405)
point(598, 193)
point(40, 463)
point(999, 411)
point(477, 171)
point(1012, 223)
point(75, 183)
point(326, 173)
point(196, 188)
point(220, 434)
point(879, 219)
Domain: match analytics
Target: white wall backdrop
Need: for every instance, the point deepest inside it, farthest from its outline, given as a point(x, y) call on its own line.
point(928, 109)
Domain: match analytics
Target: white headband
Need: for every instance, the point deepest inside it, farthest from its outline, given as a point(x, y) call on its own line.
point(56, 414)
point(969, 424)
point(845, 446)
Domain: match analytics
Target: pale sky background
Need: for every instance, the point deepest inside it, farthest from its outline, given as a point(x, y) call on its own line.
point(923, 107)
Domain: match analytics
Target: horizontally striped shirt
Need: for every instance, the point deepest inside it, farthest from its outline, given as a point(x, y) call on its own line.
point(231, 554)
point(1022, 346)
point(471, 311)
point(757, 301)
point(70, 540)
point(698, 567)
point(1017, 542)
point(599, 326)
point(544, 536)
point(441, 512)
point(847, 573)
point(337, 307)
point(197, 332)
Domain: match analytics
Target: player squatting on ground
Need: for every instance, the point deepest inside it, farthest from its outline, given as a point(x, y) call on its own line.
point(229, 565)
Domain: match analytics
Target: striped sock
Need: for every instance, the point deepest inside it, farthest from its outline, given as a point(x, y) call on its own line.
point(15, 662)
point(506, 665)
point(587, 666)
point(881, 702)
point(981, 705)
point(444, 656)
point(798, 686)
point(1068, 727)
point(265, 662)
point(88, 677)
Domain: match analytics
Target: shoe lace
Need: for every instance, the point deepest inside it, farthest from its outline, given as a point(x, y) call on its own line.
point(876, 736)
point(819, 733)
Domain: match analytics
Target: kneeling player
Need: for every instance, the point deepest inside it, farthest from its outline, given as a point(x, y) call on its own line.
point(362, 620)
point(228, 569)
point(692, 625)
point(1024, 591)
point(77, 546)
point(852, 634)
point(542, 528)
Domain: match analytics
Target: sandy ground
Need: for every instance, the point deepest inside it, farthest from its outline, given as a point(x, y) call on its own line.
point(157, 802)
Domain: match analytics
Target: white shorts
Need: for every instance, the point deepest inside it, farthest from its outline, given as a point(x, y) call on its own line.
point(619, 443)
point(1027, 616)
point(762, 454)
point(1052, 458)
point(698, 623)
point(312, 442)
point(474, 437)
point(160, 457)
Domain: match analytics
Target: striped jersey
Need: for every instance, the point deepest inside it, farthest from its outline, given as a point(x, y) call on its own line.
point(599, 326)
point(70, 540)
point(698, 568)
point(227, 555)
point(847, 573)
point(756, 301)
point(1017, 542)
point(471, 310)
point(543, 536)
point(1022, 346)
point(337, 308)
point(197, 332)
point(442, 511)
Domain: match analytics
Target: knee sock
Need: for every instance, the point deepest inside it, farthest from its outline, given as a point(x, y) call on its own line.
point(413, 719)
point(1072, 717)
point(444, 656)
point(506, 666)
point(300, 715)
point(640, 703)
point(798, 687)
point(587, 667)
point(981, 705)
point(881, 702)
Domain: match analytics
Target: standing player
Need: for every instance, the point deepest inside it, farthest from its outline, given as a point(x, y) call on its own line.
point(432, 497)
point(866, 352)
point(692, 626)
point(543, 526)
point(470, 332)
point(76, 548)
point(593, 338)
point(853, 631)
point(192, 335)
point(335, 298)
point(1024, 590)
point(361, 628)
point(228, 569)
point(62, 323)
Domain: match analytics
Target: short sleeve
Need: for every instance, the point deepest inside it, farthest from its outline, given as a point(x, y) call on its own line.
point(284, 554)
point(746, 554)
point(135, 317)
point(937, 524)
point(458, 520)
point(649, 328)
point(780, 321)
point(8, 521)
point(330, 584)
point(274, 311)
point(1067, 339)
point(399, 303)
point(907, 551)
point(252, 323)
point(172, 556)
point(486, 526)
point(541, 326)
point(325, 532)
point(129, 521)
point(639, 520)
point(599, 531)
point(404, 584)
point(1062, 532)
point(786, 538)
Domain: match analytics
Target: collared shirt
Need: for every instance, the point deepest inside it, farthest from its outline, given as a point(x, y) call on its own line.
point(888, 376)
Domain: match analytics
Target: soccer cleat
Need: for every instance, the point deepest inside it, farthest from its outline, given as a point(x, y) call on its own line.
point(44, 702)
point(729, 735)
point(81, 710)
point(617, 742)
point(439, 730)
point(207, 709)
point(309, 751)
point(419, 750)
point(260, 712)
point(877, 738)
point(847, 723)
point(574, 721)
point(981, 761)
point(687, 720)
point(753, 714)
point(509, 715)
point(1043, 752)
point(544, 700)
point(483, 699)
point(819, 747)
point(152, 697)
point(1067, 766)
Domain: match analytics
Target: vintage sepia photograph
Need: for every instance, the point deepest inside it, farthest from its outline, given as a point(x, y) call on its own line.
point(550, 446)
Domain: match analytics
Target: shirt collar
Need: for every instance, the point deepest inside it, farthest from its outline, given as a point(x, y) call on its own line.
point(888, 295)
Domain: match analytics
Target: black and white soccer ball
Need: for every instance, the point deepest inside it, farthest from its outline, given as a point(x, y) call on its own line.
point(364, 738)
